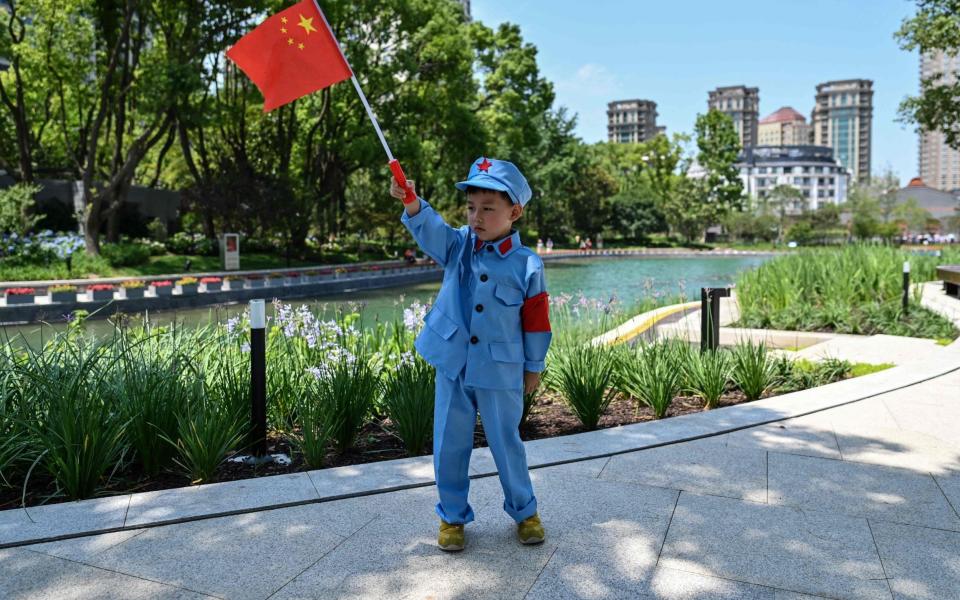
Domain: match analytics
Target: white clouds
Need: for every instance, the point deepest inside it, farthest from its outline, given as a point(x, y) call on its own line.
point(590, 79)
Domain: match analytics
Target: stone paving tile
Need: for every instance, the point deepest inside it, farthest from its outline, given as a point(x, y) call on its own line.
point(950, 485)
point(794, 436)
point(61, 519)
point(178, 503)
point(372, 476)
point(397, 557)
point(912, 450)
point(85, 548)
point(670, 584)
point(859, 490)
point(704, 466)
point(807, 552)
point(921, 563)
point(939, 421)
point(26, 575)
point(243, 556)
point(866, 415)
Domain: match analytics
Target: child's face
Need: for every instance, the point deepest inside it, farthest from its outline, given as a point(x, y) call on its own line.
point(490, 215)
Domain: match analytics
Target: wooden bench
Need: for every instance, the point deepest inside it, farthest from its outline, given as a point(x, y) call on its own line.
point(950, 274)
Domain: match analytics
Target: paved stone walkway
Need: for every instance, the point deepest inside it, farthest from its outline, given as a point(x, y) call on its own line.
point(858, 501)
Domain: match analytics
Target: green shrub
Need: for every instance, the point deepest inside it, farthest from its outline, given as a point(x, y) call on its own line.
point(125, 254)
point(584, 374)
point(753, 371)
point(350, 386)
point(80, 436)
point(652, 374)
point(408, 401)
point(207, 432)
point(707, 375)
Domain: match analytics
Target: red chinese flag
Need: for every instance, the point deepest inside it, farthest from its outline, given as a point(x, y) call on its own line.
point(290, 55)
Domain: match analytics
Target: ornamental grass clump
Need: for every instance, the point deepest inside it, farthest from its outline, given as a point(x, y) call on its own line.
point(208, 431)
point(653, 374)
point(754, 371)
point(707, 375)
point(408, 402)
point(79, 436)
point(148, 384)
point(584, 375)
point(350, 385)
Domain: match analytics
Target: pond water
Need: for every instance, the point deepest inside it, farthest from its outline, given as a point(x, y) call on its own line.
point(630, 278)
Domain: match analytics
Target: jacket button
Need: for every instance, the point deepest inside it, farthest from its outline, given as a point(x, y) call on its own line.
point(484, 277)
point(489, 248)
point(479, 308)
point(474, 340)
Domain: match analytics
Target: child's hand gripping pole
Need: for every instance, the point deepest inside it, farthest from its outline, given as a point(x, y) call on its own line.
point(397, 170)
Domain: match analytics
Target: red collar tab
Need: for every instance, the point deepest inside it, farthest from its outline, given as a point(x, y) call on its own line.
point(477, 244)
point(505, 246)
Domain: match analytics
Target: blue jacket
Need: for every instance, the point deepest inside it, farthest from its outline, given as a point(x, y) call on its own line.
point(491, 314)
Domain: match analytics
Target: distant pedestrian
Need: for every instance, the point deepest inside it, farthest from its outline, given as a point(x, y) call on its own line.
point(549, 245)
point(539, 246)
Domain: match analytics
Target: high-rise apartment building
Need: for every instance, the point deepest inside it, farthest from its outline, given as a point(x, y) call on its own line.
point(939, 163)
point(842, 120)
point(786, 127)
point(743, 106)
point(632, 121)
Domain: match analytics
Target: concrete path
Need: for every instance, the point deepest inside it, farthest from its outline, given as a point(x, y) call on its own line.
point(858, 501)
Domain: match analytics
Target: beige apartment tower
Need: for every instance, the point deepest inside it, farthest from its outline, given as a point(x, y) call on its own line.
point(842, 120)
point(786, 127)
point(939, 163)
point(742, 104)
point(632, 121)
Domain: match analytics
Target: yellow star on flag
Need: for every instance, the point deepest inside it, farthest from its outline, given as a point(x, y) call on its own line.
point(283, 30)
point(290, 41)
point(300, 45)
point(307, 24)
point(283, 20)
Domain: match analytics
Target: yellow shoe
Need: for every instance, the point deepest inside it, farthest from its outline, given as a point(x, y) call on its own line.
point(450, 537)
point(530, 530)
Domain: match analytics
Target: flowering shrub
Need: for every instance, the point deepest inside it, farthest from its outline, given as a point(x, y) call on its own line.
point(233, 278)
point(293, 274)
point(39, 248)
point(162, 283)
point(276, 276)
point(24, 291)
point(211, 280)
point(340, 270)
point(255, 277)
point(56, 289)
point(132, 284)
point(99, 287)
point(188, 281)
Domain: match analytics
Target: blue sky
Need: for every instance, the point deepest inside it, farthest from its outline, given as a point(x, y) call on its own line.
point(673, 52)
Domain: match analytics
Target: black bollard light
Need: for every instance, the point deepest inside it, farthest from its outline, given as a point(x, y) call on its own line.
point(710, 317)
point(258, 377)
point(906, 286)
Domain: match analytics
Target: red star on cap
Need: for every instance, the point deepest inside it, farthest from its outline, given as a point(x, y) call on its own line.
point(485, 165)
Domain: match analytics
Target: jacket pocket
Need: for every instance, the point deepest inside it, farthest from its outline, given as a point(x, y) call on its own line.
point(508, 294)
point(441, 324)
point(509, 352)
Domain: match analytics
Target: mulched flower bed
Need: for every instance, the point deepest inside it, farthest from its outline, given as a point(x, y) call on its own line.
point(549, 417)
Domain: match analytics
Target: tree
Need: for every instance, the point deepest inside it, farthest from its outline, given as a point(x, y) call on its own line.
point(912, 215)
point(786, 199)
point(697, 200)
point(935, 26)
point(864, 212)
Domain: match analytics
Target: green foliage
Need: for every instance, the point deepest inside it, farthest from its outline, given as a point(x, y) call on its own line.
point(18, 209)
point(754, 371)
point(707, 375)
point(207, 432)
point(408, 400)
point(125, 254)
point(584, 376)
point(80, 437)
point(935, 26)
point(317, 425)
point(856, 289)
point(652, 374)
point(351, 387)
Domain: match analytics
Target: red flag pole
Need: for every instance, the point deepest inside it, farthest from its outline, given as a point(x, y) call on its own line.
point(394, 163)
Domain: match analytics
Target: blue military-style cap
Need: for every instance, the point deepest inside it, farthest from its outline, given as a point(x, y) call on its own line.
point(499, 175)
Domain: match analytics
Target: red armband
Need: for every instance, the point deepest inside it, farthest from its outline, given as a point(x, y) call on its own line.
point(535, 314)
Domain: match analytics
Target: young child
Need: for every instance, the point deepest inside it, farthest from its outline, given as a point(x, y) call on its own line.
point(487, 335)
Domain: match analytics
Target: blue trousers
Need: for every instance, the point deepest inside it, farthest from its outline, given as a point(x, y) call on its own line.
point(454, 417)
